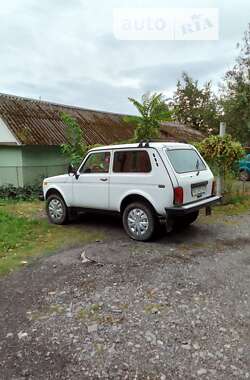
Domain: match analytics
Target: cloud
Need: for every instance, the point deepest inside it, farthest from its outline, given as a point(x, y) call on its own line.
point(83, 94)
point(163, 76)
point(65, 51)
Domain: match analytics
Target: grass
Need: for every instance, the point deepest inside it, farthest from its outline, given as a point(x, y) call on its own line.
point(25, 234)
point(92, 312)
point(27, 209)
point(239, 204)
point(46, 312)
point(240, 187)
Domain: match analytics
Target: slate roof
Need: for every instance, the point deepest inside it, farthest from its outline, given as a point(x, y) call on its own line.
point(36, 122)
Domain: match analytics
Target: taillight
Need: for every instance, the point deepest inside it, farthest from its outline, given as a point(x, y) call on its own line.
point(178, 195)
point(214, 188)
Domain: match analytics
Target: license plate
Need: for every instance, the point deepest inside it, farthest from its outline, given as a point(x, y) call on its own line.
point(199, 191)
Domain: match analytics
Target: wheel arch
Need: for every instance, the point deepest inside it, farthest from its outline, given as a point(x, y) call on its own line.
point(53, 190)
point(131, 198)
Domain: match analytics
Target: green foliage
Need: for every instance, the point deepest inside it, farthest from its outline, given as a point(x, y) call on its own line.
point(229, 181)
point(27, 192)
point(238, 205)
point(194, 106)
point(13, 230)
point(76, 148)
point(152, 111)
point(235, 99)
point(221, 152)
point(26, 234)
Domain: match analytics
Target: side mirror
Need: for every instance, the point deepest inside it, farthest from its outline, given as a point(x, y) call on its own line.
point(72, 170)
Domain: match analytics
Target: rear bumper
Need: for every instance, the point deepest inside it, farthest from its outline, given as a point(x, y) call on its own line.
point(192, 207)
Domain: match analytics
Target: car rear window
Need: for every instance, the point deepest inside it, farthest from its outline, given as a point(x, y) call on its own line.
point(185, 160)
point(131, 162)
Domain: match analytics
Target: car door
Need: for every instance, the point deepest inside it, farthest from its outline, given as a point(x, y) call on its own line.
point(91, 188)
point(131, 173)
point(191, 172)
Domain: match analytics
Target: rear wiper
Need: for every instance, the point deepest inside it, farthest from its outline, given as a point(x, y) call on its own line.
point(197, 167)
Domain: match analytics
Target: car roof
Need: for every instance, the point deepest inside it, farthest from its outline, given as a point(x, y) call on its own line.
point(156, 145)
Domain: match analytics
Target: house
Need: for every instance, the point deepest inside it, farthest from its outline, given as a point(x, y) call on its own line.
point(31, 132)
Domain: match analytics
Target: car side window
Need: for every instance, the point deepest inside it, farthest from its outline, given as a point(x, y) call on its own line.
point(133, 161)
point(96, 163)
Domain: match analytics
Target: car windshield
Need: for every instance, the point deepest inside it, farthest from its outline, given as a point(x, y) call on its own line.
point(185, 160)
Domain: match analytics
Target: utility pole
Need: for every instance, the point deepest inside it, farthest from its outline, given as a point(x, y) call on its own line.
point(220, 176)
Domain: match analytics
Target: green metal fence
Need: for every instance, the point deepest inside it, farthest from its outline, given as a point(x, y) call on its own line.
point(28, 175)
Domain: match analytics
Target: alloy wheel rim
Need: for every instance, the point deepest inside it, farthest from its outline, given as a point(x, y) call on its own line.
point(55, 209)
point(138, 222)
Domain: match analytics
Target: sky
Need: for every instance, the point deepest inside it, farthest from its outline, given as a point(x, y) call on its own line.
point(65, 51)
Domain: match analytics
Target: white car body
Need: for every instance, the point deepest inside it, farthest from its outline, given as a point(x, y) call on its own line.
point(110, 190)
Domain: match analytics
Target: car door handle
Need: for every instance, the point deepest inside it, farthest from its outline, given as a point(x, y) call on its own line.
point(103, 179)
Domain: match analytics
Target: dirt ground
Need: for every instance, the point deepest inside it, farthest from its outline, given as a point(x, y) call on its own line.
point(176, 308)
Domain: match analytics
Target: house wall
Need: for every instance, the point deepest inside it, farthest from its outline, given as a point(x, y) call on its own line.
point(26, 165)
point(42, 161)
point(5, 134)
point(11, 171)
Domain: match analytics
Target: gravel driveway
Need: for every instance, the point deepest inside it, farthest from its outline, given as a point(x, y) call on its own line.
point(177, 308)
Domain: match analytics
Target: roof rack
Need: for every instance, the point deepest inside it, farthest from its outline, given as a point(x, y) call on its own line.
point(145, 142)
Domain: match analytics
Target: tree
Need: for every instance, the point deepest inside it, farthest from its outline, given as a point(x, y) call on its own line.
point(235, 93)
point(153, 109)
point(76, 148)
point(194, 106)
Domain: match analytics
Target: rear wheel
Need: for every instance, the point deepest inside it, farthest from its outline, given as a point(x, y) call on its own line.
point(244, 175)
point(56, 209)
point(185, 220)
point(139, 221)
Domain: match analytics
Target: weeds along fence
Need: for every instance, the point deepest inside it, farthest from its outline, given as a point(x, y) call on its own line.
point(19, 176)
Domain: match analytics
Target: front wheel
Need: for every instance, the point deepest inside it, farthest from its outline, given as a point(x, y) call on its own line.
point(139, 221)
point(56, 209)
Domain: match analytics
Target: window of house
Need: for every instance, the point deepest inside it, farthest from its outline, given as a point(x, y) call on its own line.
point(96, 163)
point(133, 161)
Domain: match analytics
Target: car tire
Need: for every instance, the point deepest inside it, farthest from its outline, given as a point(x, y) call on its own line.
point(56, 209)
point(139, 221)
point(244, 176)
point(186, 220)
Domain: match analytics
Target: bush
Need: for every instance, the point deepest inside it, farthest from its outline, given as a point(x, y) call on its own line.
point(221, 153)
point(27, 192)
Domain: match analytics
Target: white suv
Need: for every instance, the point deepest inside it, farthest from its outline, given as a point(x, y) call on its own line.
point(145, 183)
